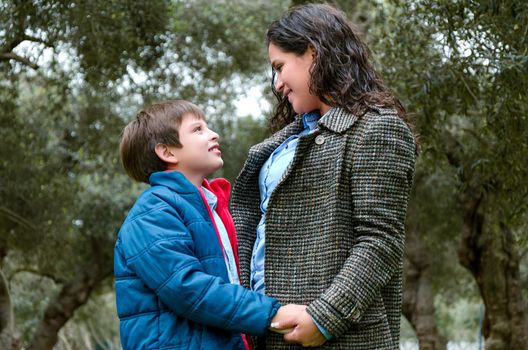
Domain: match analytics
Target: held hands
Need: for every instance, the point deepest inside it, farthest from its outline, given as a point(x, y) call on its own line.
point(297, 326)
point(285, 319)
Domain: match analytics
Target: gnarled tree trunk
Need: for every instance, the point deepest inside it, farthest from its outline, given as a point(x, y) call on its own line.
point(489, 254)
point(418, 296)
point(73, 294)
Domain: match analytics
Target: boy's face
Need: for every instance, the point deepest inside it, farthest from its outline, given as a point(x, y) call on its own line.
point(200, 154)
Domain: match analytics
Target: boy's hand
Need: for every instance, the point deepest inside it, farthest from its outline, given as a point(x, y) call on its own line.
point(305, 332)
point(285, 319)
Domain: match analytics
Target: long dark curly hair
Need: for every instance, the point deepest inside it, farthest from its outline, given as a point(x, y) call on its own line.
point(341, 75)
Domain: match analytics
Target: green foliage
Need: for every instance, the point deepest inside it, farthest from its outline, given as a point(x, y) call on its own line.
point(459, 318)
point(104, 36)
point(461, 76)
point(31, 293)
point(229, 33)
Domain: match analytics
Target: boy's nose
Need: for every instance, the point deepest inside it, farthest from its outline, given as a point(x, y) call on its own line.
point(214, 135)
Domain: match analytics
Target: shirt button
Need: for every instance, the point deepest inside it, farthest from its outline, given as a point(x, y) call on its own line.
point(319, 139)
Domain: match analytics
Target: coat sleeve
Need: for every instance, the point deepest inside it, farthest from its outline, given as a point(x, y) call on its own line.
point(381, 180)
point(160, 250)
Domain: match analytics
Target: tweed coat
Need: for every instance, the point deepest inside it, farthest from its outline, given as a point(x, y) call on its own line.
point(334, 225)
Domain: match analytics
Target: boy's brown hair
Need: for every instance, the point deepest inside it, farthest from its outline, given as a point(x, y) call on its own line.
point(158, 123)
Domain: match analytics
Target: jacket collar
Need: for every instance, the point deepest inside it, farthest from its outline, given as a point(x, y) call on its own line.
point(337, 120)
point(174, 180)
point(177, 182)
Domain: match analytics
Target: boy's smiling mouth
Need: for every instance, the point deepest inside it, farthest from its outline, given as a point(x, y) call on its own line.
point(215, 148)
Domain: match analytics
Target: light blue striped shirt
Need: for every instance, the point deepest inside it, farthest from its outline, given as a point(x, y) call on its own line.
point(269, 176)
point(229, 257)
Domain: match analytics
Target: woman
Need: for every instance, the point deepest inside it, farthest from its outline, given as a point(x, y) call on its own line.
point(320, 206)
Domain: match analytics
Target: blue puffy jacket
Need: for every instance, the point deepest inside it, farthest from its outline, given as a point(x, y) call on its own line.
point(172, 289)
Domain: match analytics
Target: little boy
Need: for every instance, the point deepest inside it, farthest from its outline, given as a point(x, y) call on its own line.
point(176, 262)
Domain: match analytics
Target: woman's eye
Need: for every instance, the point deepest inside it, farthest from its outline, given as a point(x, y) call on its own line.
point(198, 128)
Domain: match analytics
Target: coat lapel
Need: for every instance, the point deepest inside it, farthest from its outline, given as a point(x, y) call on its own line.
point(259, 153)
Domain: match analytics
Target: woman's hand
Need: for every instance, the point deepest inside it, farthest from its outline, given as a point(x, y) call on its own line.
point(301, 327)
point(285, 319)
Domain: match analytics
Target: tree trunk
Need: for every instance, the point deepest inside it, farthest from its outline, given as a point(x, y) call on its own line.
point(489, 254)
point(418, 297)
point(8, 337)
point(73, 294)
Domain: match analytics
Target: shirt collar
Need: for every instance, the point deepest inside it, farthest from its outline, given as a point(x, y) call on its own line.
point(310, 120)
point(210, 197)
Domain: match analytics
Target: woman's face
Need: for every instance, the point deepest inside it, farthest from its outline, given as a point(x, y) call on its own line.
point(292, 78)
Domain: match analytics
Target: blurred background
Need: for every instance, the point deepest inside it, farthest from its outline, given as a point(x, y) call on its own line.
point(73, 73)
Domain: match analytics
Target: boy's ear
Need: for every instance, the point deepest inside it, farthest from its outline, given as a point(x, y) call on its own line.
point(165, 153)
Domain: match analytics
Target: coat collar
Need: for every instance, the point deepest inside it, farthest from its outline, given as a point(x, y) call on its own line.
point(338, 120)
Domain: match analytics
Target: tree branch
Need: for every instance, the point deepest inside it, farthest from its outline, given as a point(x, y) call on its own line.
point(38, 40)
point(6, 56)
point(471, 93)
point(55, 279)
point(16, 217)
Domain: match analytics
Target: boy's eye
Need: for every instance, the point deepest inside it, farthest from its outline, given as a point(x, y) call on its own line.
point(277, 68)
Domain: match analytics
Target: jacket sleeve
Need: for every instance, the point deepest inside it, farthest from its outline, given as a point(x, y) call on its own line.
point(381, 180)
point(160, 252)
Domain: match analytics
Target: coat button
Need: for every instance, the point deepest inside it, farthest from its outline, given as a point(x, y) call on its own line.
point(319, 139)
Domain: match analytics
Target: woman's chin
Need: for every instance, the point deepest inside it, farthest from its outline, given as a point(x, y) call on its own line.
point(298, 109)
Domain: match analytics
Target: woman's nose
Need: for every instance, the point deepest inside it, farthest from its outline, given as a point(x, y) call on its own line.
point(278, 84)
